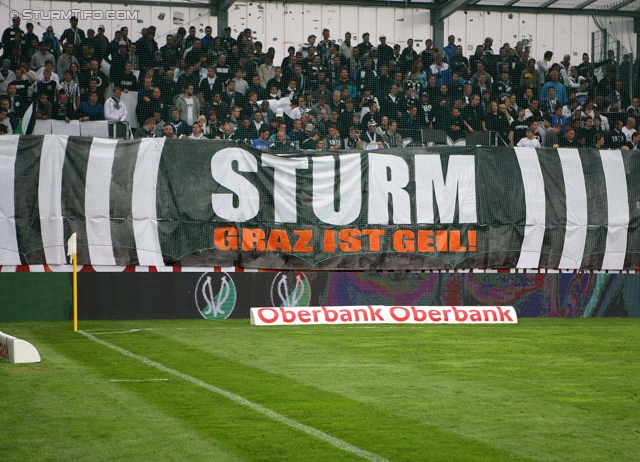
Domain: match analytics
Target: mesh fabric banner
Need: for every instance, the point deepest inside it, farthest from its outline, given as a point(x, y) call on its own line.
point(212, 203)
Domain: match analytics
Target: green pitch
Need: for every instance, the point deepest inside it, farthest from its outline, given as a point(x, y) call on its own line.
point(543, 390)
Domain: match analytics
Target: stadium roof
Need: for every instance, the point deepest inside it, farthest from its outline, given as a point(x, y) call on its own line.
point(443, 9)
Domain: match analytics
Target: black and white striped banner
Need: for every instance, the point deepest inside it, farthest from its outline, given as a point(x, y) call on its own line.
point(149, 202)
point(105, 190)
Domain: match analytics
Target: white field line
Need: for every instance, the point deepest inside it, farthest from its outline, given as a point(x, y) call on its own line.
point(140, 380)
point(129, 331)
point(244, 402)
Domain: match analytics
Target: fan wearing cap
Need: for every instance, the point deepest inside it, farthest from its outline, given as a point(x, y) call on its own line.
point(534, 75)
point(312, 138)
point(583, 93)
point(385, 52)
point(529, 141)
point(371, 135)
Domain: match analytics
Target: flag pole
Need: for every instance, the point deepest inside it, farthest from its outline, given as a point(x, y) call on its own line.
point(72, 252)
point(75, 292)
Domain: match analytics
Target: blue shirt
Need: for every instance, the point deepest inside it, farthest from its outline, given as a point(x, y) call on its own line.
point(259, 144)
point(561, 91)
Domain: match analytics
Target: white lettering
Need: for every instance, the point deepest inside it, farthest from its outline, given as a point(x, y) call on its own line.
point(460, 185)
point(388, 175)
point(284, 185)
point(248, 195)
point(324, 179)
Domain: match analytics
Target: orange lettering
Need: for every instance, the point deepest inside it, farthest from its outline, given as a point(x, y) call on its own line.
point(425, 240)
point(441, 241)
point(329, 240)
point(454, 242)
point(304, 237)
point(399, 242)
point(278, 240)
point(253, 239)
point(226, 238)
point(374, 238)
point(350, 243)
point(472, 240)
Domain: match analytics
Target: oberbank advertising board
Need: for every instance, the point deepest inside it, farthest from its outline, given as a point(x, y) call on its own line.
point(384, 315)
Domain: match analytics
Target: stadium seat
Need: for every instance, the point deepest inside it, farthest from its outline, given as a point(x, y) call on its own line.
point(434, 137)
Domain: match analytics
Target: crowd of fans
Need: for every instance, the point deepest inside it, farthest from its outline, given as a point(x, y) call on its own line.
point(342, 94)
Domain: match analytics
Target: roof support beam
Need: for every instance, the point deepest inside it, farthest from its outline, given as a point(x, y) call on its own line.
point(448, 9)
point(558, 11)
point(625, 3)
point(511, 2)
point(585, 4)
point(225, 4)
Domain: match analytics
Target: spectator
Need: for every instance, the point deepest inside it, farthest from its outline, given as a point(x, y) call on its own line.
point(188, 105)
point(65, 60)
point(441, 70)
point(529, 141)
point(179, 126)
point(73, 35)
point(128, 80)
point(231, 96)
point(196, 132)
point(629, 129)
point(157, 117)
point(560, 90)
point(333, 141)
point(216, 104)
point(569, 140)
point(168, 132)
point(246, 131)
point(450, 48)
point(47, 86)
point(147, 130)
point(262, 141)
point(63, 108)
point(94, 72)
point(91, 109)
point(115, 112)
point(518, 128)
point(9, 33)
point(599, 141)
point(473, 116)
point(4, 121)
point(296, 133)
point(409, 122)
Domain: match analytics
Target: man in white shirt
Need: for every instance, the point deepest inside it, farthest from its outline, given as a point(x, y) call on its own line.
point(114, 110)
point(629, 129)
point(241, 84)
point(529, 141)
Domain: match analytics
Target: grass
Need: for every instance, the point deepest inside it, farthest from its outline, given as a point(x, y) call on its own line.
point(542, 390)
